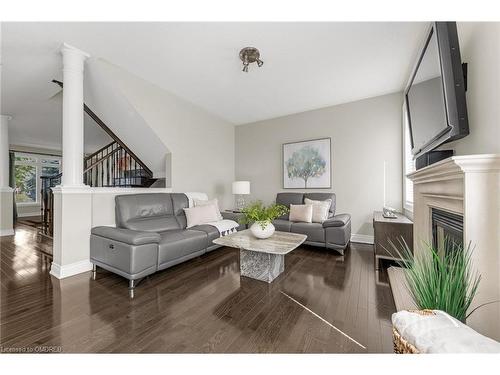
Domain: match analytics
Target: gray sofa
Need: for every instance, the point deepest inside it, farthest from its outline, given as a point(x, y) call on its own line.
point(150, 235)
point(334, 233)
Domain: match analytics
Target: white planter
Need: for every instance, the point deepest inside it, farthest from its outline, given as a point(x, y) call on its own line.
point(258, 232)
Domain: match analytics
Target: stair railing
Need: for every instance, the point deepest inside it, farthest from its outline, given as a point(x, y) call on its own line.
point(47, 208)
point(113, 165)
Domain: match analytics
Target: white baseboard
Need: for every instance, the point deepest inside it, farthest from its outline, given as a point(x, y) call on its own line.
point(28, 214)
point(68, 270)
point(362, 238)
point(6, 232)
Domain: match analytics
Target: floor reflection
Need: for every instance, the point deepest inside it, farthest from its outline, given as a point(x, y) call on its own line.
point(323, 302)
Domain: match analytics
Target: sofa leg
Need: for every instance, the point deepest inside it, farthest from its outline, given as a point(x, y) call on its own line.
point(131, 286)
point(94, 271)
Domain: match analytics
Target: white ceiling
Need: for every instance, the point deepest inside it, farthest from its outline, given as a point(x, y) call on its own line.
point(306, 65)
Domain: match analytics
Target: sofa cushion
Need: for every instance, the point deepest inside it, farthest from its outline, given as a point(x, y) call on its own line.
point(131, 237)
point(179, 203)
point(211, 231)
point(145, 212)
point(282, 225)
point(205, 202)
point(314, 231)
point(320, 210)
point(179, 243)
point(201, 215)
point(286, 199)
point(301, 213)
point(323, 197)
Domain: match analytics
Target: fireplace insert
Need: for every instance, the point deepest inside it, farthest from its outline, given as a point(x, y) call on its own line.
point(447, 231)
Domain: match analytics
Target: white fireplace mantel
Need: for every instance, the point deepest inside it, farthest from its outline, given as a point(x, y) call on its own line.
point(469, 186)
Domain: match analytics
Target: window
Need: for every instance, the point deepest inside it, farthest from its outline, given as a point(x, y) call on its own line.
point(409, 164)
point(28, 168)
point(25, 183)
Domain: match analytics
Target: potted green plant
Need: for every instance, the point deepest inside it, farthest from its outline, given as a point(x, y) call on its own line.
point(440, 279)
point(260, 217)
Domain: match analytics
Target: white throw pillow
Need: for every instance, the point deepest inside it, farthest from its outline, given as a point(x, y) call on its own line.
point(204, 202)
point(200, 215)
point(301, 213)
point(320, 209)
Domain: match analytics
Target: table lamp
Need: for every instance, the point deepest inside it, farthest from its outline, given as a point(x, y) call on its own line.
point(240, 189)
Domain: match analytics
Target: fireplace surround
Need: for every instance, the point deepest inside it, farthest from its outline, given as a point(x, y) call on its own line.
point(466, 187)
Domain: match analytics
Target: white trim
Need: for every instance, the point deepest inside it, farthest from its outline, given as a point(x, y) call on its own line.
point(30, 213)
point(28, 204)
point(61, 272)
point(7, 232)
point(75, 189)
point(107, 190)
point(69, 47)
point(6, 189)
point(362, 238)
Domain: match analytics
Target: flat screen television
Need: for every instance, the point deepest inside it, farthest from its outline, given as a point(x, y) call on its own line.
point(435, 93)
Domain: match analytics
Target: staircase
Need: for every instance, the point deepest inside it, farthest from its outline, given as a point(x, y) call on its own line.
point(113, 165)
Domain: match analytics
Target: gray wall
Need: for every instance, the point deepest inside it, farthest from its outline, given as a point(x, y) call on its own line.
point(480, 47)
point(201, 145)
point(364, 134)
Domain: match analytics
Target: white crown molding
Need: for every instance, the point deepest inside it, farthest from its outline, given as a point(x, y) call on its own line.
point(7, 232)
point(454, 168)
point(362, 238)
point(478, 163)
point(61, 272)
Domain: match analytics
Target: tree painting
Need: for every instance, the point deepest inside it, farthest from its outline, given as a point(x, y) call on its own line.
point(305, 163)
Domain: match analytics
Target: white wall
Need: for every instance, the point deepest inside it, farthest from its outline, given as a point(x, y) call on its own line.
point(480, 48)
point(364, 134)
point(201, 145)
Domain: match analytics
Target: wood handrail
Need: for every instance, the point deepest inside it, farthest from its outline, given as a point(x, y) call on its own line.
point(110, 133)
point(98, 151)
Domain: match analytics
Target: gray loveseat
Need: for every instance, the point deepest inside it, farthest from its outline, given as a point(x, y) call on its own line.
point(150, 235)
point(334, 233)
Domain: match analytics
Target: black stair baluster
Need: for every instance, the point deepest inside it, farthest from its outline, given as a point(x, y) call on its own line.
point(102, 171)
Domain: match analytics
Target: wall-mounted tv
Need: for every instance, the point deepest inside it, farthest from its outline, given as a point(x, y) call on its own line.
point(435, 94)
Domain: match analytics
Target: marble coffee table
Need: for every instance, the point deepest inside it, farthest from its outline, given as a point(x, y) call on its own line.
point(262, 259)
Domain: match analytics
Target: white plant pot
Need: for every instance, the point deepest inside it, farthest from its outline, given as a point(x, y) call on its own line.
point(258, 232)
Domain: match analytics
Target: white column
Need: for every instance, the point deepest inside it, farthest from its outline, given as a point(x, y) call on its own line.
point(72, 199)
point(6, 196)
point(4, 151)
point(72, 145)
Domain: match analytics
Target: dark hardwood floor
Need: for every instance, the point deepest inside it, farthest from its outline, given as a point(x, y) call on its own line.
point(323, 303)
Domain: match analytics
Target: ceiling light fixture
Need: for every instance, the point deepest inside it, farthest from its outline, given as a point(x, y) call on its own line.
point(250, 55)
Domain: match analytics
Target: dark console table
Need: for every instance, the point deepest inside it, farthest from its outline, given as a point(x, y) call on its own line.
point(393, 230)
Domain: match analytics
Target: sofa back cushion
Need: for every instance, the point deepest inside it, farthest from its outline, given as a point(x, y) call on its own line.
point(323, 197)
point(286, 199)
point(154, 212)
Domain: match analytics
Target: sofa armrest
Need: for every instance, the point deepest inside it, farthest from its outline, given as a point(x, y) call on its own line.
point(337, 221)
point(236, 216)
point(131, 237)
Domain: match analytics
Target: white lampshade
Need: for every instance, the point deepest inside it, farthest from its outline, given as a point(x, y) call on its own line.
point(241, 187)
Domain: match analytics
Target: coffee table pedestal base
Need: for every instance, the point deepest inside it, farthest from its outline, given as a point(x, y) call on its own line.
point(261, 266)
